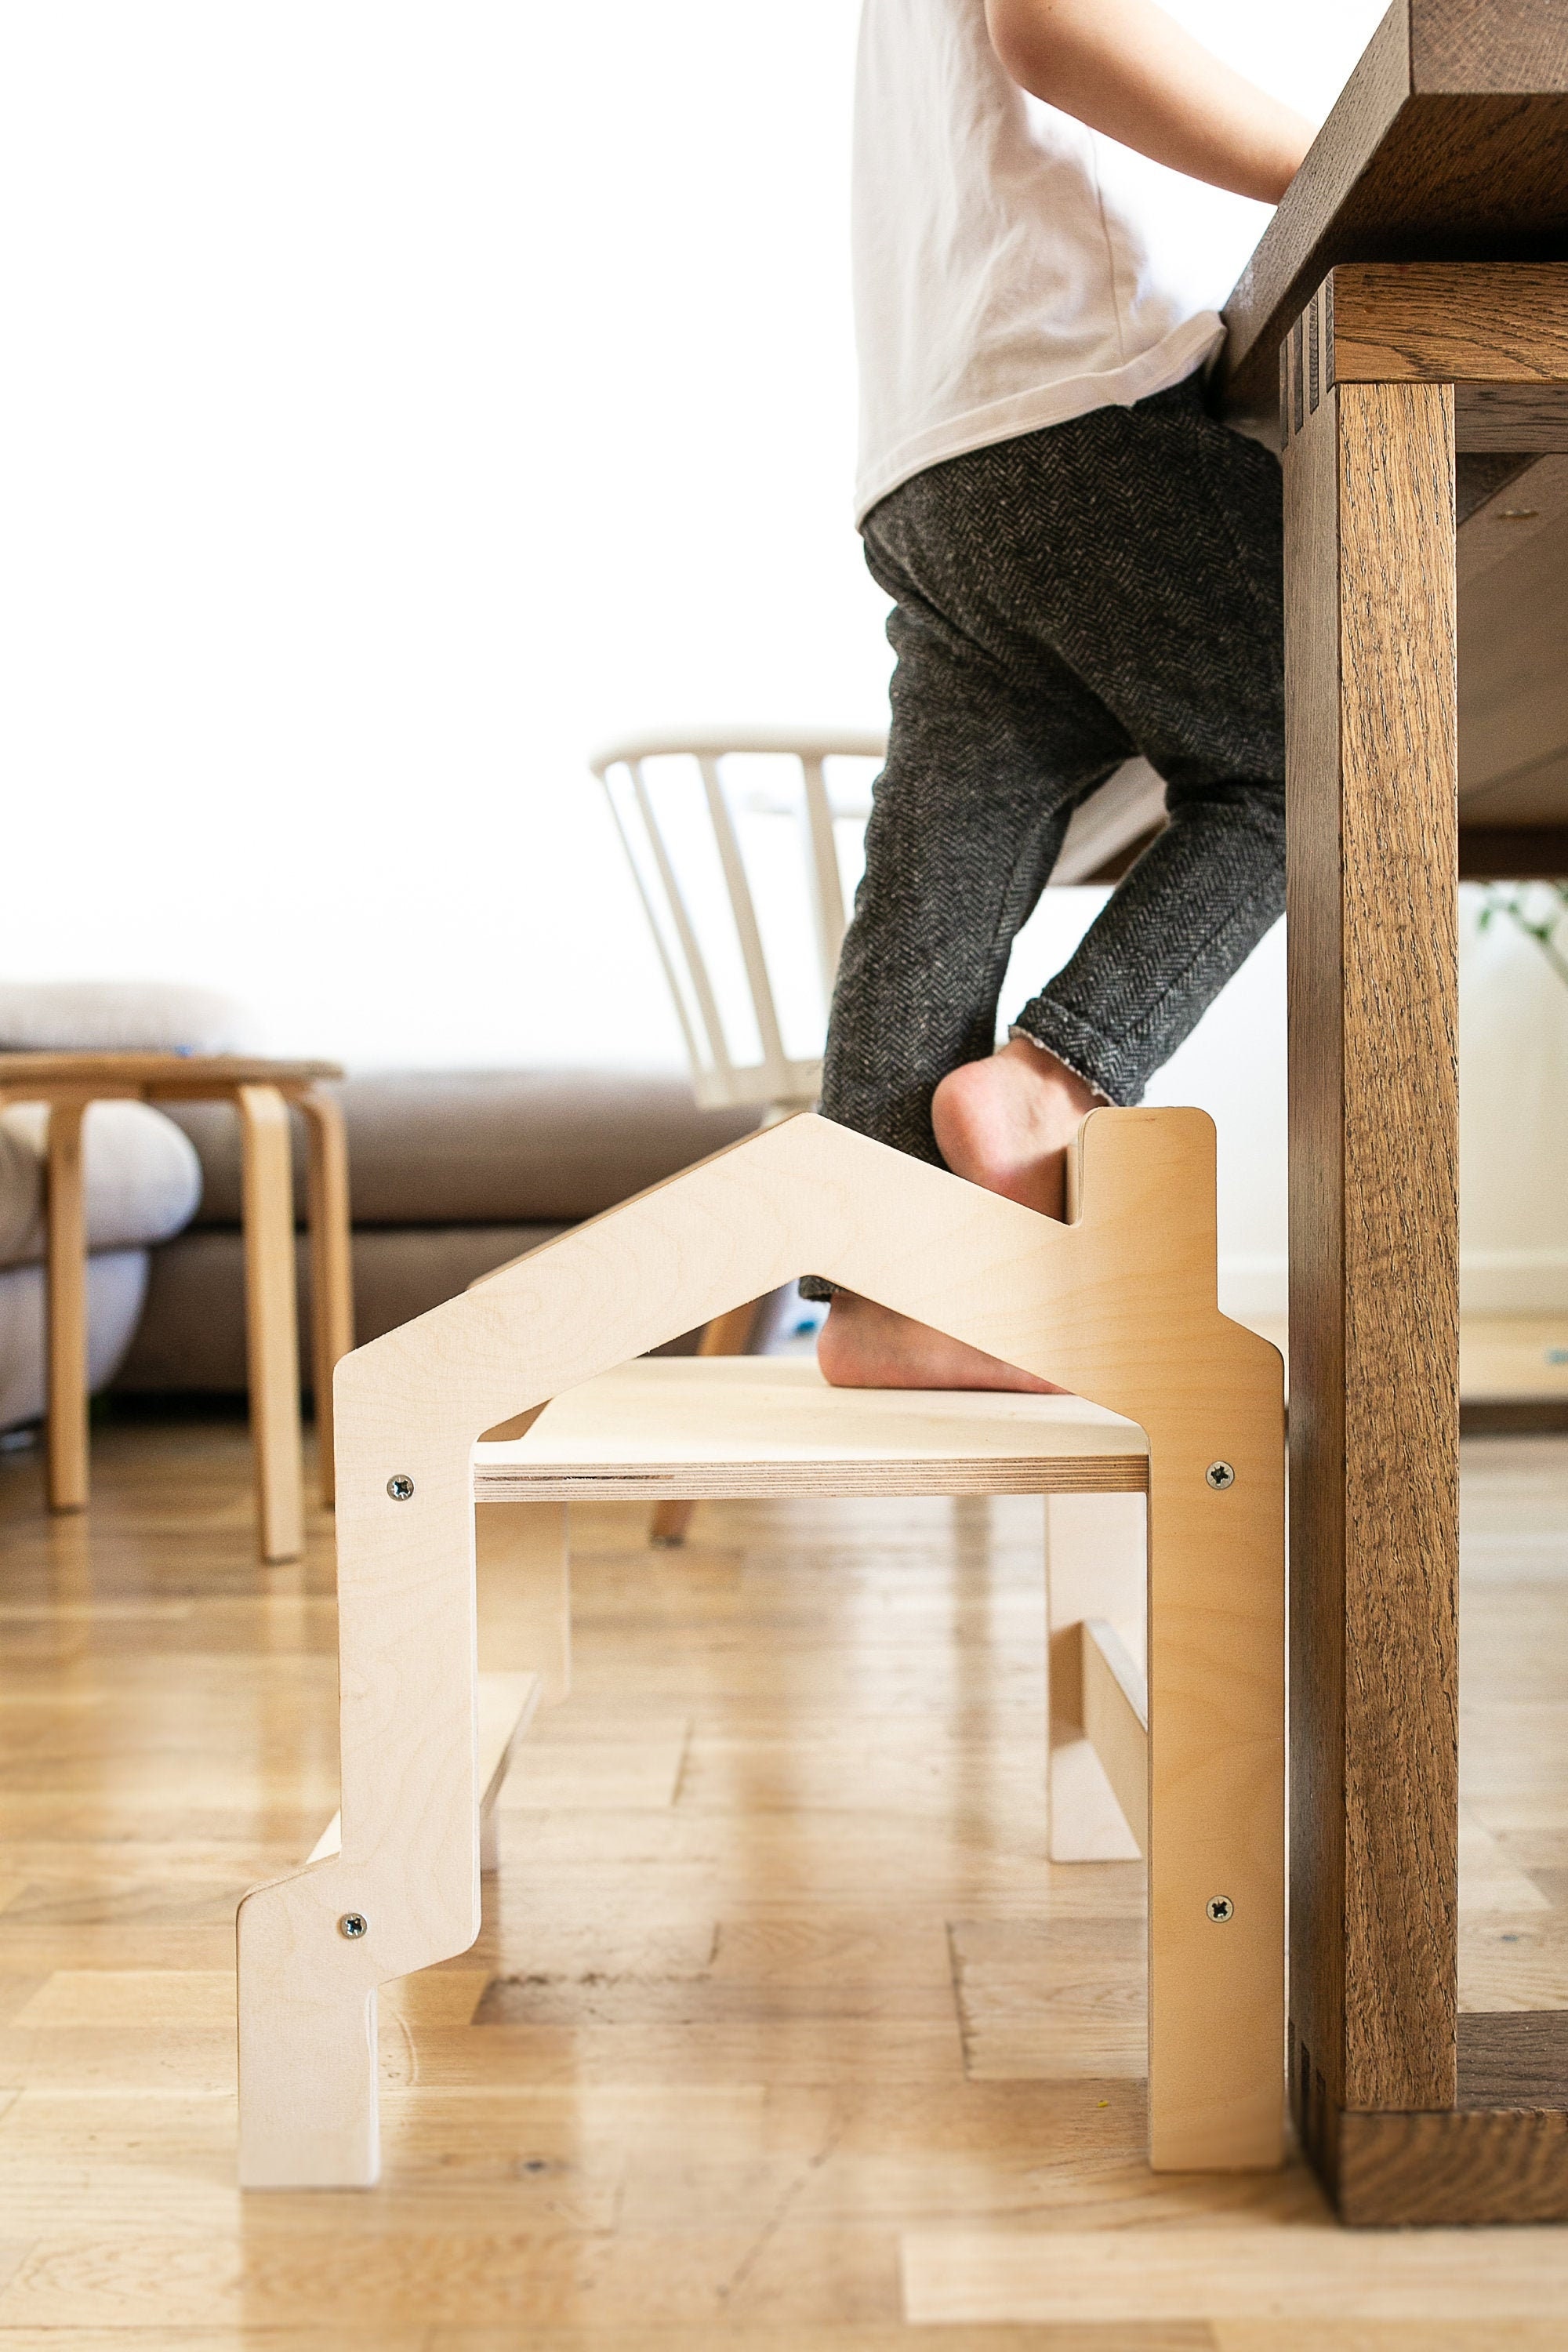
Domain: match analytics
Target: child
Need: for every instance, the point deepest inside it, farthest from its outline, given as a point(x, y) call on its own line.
point(1085, 564)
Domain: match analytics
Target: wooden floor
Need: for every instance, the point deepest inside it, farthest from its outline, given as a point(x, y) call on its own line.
point(781, 2031)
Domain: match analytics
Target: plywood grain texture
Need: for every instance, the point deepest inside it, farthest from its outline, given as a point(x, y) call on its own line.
point(1118, 1304)
point(765, 1425)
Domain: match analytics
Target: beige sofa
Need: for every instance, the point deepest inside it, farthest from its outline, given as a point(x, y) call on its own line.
point(451, 1174)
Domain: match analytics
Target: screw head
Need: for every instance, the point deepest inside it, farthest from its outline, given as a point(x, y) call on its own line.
point(1220, 1908)
point(353, 1925)
point(1219, 1476)
point(400, 1488)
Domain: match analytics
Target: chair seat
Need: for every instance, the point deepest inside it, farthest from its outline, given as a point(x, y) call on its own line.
point(768, 1426)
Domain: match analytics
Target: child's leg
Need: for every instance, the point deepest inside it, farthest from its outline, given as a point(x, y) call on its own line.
point(1137, 553)
point(986, 760)
point(967, 822)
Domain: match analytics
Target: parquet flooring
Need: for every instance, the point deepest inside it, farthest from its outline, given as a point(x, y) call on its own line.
point(781, 2031)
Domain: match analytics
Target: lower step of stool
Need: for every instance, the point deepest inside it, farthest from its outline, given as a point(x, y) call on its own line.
point(507, 1705)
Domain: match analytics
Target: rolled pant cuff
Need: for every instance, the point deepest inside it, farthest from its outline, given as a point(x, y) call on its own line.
point(1081, 1049)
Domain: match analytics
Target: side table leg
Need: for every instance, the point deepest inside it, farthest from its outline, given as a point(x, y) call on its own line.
point(332, 1264)
point(66, 1286)
point(271, 1322)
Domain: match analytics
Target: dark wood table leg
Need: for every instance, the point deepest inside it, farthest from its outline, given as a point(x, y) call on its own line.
point(1372, 784)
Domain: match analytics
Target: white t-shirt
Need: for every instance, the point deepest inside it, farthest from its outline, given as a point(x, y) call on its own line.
point(1012, 267)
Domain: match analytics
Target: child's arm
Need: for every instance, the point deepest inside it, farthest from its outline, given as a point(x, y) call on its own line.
point(1125, 67)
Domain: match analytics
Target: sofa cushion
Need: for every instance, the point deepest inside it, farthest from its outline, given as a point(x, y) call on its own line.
point(487, 1147)
point(144, 1180)
point(147, 1016)
point(116, 1283)
point(191, 1335)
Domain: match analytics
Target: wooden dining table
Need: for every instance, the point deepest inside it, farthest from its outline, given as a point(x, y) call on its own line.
point(1402, 331)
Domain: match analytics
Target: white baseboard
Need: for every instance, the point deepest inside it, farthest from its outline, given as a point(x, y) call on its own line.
point(1514, 1282)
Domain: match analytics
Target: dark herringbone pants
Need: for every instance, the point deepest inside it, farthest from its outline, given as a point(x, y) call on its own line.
point(1064, 601)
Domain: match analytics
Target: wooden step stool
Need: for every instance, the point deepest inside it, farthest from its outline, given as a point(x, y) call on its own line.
point(1118, 1304)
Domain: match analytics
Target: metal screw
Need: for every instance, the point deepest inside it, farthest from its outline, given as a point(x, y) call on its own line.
point(1220, 1908)
point(1220, 1474)
point(400, 1488)
point(353, 1925)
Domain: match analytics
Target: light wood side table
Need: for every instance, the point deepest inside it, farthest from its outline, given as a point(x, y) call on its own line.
point(260, 1092)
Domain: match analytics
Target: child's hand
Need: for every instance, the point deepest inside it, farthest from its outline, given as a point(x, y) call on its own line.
point(1127, 68)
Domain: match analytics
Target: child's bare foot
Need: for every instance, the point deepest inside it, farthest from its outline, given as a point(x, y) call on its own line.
point(1005, 1123)
point(863, 1345)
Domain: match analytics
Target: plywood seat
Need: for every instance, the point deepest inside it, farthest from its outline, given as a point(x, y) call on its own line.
point(763, 1427)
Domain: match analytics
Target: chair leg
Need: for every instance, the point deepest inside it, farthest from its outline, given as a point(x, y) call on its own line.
point(332, 1264)
point(1095, 1567)
point(66, 1311)
point(271, 1324)
point(727, 1335)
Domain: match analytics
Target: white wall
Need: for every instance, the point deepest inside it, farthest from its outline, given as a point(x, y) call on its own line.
point(1514, 1120)
point(402, 398)
point(1513, 1108)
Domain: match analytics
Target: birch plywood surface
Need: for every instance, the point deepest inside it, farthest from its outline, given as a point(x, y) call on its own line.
point(757, 1426)
point(775, 1979)
point(1118, 1304)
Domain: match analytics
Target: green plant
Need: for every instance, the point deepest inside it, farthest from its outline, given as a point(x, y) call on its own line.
point(1536, 909)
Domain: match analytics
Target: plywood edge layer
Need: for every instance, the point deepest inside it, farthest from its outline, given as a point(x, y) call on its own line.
point(1088, 1474)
